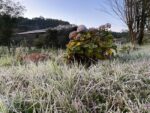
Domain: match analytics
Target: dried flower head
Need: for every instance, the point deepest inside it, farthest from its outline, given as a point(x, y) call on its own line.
point(81, 28)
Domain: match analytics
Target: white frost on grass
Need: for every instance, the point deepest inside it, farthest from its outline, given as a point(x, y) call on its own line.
point(57, 87)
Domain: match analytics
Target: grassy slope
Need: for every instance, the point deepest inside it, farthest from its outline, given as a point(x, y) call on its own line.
point(53, 87)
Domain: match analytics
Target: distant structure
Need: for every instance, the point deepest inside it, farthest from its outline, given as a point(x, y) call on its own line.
point(33, 32)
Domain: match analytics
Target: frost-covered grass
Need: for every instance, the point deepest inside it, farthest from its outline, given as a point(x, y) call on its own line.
point(118, 86)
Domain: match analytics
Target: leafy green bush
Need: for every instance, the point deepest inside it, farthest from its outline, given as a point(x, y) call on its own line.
point(90, 45)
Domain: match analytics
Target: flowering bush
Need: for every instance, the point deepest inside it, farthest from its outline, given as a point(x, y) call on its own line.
point(90, 45)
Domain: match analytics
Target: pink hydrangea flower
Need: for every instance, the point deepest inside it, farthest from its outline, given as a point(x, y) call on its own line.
point(72, 35)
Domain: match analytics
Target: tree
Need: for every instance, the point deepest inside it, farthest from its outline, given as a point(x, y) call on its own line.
point(9, 11)
point(6, 31)
point(11, 8)
point(134, 13)
point(144, 9)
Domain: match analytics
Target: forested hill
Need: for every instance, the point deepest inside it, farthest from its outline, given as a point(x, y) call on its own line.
point(26, 24)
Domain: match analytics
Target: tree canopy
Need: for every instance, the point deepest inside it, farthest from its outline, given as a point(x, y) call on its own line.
point(11, 8)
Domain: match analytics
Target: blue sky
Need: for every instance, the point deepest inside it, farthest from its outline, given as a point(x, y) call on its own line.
point(87, 12)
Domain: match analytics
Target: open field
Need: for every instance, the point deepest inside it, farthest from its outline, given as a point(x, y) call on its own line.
point(118, 86)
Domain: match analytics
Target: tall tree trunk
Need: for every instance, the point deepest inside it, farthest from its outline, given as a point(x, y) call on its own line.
point(141, 35)
point(142, 28)
point(142, 25)
point(132, 35)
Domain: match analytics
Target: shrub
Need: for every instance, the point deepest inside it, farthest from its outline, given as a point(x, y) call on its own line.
point(88, 46)
point(51, 38)
point(39, 42)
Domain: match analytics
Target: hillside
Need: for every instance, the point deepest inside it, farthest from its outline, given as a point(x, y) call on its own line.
point(26, 24)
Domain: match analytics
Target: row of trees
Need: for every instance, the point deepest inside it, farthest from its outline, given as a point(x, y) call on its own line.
point(135, 14)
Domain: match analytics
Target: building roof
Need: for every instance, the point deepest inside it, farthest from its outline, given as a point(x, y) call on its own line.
point(60, 27)
point(33, 32)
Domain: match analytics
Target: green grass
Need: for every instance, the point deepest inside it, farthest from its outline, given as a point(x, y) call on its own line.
point(121, 85)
